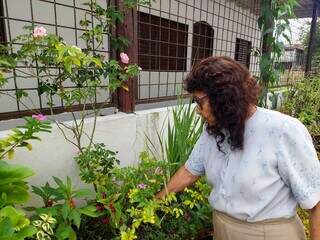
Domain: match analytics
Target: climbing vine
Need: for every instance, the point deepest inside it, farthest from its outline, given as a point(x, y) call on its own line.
point(275, 26)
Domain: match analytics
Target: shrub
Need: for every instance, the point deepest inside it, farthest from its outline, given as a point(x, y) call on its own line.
point(127, 204)
point(302, 102)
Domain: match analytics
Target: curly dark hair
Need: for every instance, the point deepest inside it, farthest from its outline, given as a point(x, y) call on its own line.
point(231, 91)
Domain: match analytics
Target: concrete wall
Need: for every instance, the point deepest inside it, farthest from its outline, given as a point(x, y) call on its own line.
point(125, 133)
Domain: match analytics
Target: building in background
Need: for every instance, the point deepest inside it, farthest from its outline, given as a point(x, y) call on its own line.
point(293, 57)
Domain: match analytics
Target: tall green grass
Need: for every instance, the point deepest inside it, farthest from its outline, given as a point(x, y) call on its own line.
point(182, 133)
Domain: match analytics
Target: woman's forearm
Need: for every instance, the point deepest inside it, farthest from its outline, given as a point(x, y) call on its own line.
point(179, 181)
point(315, 222)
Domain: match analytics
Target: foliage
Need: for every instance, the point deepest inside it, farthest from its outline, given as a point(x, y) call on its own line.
point(274, 24)
point(21, 135)
point(45, 225)
point(302, 102)
point(127, 204)
point(60, 205)
point(54, 64)
point(13, 189)
point(14, 225)
point(133, 3)
point(304, 39)
point(182, 134)
point(95, 229)
point(95, 164)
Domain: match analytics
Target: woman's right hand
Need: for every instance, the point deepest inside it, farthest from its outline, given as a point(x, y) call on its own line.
point(178, 182)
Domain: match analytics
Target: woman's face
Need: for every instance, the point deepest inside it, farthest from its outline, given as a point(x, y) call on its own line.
point(203, 106)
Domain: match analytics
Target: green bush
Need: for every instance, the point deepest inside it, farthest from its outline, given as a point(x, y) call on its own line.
point(14, 224)
point(59, 203)
point(302, 102)
point(126, 204)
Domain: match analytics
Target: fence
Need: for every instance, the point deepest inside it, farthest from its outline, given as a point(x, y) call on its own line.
point(59, 17)
point(169, 37)
point(173, 35)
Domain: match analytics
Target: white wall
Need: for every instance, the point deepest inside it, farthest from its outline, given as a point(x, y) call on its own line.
point(121, 132)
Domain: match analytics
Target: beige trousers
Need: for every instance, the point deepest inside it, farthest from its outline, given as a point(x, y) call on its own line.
point(229, 228)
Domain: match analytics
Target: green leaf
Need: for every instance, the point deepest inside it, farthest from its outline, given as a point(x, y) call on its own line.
point(15, 193)
point(90, 211)
point(12, 173)
point(66, 232)
point(59, 183)
point(17, 217)
point(82, 193)
point(75, 217)
point(10, 154)
point(28, 231)
point(38, 191)
point(65, 210)
point(97, 62)
point(20, 93)
point(6, 228)
point(63, 232)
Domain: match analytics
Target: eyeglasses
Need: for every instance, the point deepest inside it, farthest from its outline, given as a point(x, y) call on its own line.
point(199, 100)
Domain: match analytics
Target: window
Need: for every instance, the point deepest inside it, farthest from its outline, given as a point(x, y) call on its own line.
point(299, 57)
point(243, 52)
point(162, 43)
point(202, 42)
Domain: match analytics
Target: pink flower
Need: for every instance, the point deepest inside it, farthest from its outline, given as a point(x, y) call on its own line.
point(40, 117)
point(124, 58)
point(142, 186)
point(39, 32)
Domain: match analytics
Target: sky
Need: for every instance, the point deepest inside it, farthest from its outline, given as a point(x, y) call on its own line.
point(295, 25)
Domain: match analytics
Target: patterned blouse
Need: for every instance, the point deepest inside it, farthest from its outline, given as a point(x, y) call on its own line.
point(277, 169)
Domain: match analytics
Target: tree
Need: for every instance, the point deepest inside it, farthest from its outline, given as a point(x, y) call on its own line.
point(304, 39)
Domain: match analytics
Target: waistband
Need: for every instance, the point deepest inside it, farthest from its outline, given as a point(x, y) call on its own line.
point(272, 221)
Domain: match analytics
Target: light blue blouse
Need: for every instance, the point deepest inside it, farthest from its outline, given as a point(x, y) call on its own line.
point(277, 169)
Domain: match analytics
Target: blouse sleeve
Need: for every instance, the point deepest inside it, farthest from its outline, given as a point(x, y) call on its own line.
point(298, 164)
point(195, 162)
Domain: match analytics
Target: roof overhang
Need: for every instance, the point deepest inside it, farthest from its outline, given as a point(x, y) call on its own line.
point(303, 10)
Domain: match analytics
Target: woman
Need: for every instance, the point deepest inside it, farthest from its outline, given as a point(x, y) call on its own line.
point(261, 163)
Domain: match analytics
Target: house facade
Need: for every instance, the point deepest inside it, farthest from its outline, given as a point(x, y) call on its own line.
point(173, 35)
